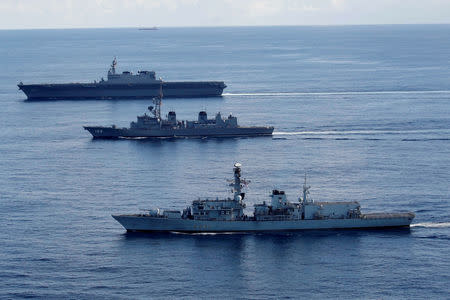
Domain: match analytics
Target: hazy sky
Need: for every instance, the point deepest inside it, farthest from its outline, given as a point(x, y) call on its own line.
point(134, 13)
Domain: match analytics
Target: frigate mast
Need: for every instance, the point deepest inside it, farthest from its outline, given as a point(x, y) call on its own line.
point(238, 183)
point(305, 199)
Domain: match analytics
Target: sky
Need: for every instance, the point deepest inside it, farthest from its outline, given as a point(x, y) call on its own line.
point(30, 14)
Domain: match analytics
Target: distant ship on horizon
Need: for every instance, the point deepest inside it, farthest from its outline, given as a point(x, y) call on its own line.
point(126, 85)
point(148, 28)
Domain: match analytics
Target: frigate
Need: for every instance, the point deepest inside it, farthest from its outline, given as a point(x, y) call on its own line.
point(227, 214)
point(153, 126)
point(143, 85)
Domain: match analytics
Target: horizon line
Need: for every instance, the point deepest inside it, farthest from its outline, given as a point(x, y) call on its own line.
point(224, 26)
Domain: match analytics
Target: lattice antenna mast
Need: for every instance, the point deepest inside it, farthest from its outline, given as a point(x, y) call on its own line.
point(157, 102)
point(112, 70)
point(306, 188)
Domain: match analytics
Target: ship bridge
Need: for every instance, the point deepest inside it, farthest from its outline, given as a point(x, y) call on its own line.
point(127, 77)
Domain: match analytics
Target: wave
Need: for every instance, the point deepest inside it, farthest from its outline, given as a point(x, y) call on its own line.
point(335, 93)
point(431, 139)
point(432, 225)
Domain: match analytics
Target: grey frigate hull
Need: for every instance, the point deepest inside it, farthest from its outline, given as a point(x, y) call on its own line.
point(227, 214)
point(145, 223)
point(80, 91)
point(100, 132)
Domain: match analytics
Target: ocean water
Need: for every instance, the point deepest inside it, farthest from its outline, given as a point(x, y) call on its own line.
point(364, 110)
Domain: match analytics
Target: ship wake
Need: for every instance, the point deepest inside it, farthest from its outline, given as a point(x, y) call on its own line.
point(362, 132)
point(335, 93)
point(431, 225)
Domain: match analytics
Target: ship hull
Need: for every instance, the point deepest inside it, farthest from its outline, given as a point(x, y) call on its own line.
point(100, 132)
point(80, 91)
point(144, 223)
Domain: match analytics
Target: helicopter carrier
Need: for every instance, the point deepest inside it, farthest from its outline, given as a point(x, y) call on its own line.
point(279, 214)
point(153, 126)
point(125, 85)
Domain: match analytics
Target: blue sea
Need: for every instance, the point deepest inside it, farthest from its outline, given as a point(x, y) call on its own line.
point(363, 110)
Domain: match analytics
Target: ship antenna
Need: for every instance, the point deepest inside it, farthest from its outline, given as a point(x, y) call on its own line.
point(157, 101)
point(157, 109)
point(306, 192)
point(160, 91)
point(238, 183)
point(113, 66)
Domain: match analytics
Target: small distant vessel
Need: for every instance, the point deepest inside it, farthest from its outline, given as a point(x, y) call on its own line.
point(148, 28)
point(127, 85)
point(227, 215)
point(153, 126)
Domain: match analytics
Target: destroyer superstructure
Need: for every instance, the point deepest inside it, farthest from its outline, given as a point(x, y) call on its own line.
point(153, 126)
point(227, 215)
point(125, 85)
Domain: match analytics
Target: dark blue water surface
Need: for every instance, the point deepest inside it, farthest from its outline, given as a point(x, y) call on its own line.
point(364, 110)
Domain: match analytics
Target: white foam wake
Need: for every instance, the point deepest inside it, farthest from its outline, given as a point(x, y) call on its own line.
point(369, 132)
point(432, 225)
point(334, 93)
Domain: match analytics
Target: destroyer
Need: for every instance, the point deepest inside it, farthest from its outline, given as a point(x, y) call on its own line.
point(153, 126)
point(227, 215)
point(127, 85)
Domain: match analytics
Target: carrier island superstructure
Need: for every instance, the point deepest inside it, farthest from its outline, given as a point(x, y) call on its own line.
point(227, 215)
point(125, 85)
